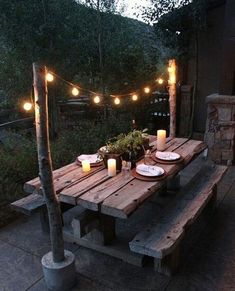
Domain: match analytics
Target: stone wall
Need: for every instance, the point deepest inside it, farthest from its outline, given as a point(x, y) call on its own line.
point(220, 128)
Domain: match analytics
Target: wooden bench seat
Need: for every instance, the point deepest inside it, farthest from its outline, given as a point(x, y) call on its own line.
point(29, 205)
point(161, 240)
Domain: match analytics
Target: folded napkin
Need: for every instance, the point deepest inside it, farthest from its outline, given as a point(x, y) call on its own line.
point(91, 158)
point(148, 169)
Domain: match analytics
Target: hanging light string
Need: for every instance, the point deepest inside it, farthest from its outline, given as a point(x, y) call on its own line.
point(147, 89)
point(98, 96)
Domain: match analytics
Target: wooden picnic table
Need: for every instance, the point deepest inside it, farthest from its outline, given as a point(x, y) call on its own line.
point(106, 198)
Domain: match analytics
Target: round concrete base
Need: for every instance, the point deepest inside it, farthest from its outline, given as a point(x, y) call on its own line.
point(59, 276)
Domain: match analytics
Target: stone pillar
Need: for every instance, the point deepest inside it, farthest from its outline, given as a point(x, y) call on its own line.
point(220, 128)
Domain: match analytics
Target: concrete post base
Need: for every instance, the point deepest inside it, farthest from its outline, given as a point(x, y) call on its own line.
point(59, 276)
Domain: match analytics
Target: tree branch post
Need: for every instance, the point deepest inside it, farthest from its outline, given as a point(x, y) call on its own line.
point(45, 163)
point(172, 96)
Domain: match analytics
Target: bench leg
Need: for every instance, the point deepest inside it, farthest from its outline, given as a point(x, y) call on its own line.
point(169, 264)
point(44, 220)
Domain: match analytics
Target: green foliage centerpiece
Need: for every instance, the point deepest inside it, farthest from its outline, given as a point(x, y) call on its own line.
point(128, 146)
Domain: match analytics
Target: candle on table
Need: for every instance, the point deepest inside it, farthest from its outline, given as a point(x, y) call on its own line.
point(161, 140)
point(86, 166)
point(111, 167)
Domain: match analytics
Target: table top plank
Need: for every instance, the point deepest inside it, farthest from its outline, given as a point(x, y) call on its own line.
point(122, 203)
point(34, 184)
point(71, 193)
point(94, 197)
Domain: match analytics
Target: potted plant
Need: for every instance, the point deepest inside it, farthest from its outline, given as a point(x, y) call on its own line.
point(128, 146)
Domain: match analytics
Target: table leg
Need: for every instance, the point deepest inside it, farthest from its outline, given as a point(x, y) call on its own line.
point(107, 227)
point(173, 184)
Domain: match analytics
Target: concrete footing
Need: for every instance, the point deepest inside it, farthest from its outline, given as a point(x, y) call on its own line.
point(59, 276)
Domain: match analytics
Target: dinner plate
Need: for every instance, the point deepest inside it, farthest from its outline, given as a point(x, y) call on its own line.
point(93, 159)
point(149, 171)
point(167, 156)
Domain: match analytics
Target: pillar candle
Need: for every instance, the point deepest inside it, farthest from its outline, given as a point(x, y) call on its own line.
point(161, 140)
point(86, 166)
point(111, 167)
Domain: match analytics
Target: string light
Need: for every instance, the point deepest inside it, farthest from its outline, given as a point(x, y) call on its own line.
point(49, 77)
point(27, 106)
point(75, 91)
point(160, 81)
point(96, 99)
point(134, 97)
point(147, 90)
point(117, 101)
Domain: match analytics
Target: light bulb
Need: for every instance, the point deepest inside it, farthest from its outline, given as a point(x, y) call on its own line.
point(49, 77)
point(75, 91)
point(134, 97)
point(147, 90)
point(27, 106)
point(117, 101)
point(96, 99)
point(160, 81)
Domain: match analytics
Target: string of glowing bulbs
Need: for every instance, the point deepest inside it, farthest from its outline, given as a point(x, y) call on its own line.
point(97, 97)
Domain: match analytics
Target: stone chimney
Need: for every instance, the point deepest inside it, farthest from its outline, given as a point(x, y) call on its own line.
point(220, 128)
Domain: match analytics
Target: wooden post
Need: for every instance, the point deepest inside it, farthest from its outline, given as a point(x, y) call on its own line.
point(172, 96)
point(227, 73)
point(45, 163)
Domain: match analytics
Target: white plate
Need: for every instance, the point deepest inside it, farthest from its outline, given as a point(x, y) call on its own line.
point(149, 171)
point(91, 158)
point(167, 156)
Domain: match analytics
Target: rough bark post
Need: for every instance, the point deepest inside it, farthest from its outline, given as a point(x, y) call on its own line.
point(45, 163)
point(172, 96)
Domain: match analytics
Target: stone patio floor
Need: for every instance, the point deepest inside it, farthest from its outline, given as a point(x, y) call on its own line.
point(208, 264)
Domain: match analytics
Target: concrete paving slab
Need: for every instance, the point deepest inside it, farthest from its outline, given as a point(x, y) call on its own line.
point(116, 274)
point(84, 284)
point(18, 269)
point(26, 234)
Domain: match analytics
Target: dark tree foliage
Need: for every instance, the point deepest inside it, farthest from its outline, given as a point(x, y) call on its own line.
point(176, 23)
point(62, 34)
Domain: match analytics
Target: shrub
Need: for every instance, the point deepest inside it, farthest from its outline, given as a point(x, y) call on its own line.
point(18, 155)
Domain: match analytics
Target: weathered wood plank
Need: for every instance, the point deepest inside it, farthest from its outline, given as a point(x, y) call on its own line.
point(30, 204)
point(73, 177)
point(34, 184)
point(93, 198)
point(162, 237)
point(70, 194)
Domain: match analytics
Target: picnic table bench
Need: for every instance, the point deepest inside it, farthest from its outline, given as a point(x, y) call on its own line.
point(100, 201)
